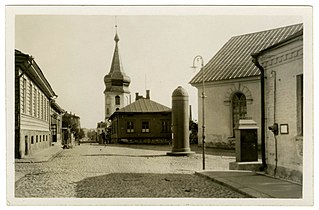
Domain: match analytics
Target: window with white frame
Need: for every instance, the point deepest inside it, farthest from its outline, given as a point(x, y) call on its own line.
point(130, 127)
point(24, 95)
point(31, 100)
point(145, 126)
point(35, 102)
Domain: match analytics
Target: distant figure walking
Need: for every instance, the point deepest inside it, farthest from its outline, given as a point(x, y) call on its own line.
point(103, 137)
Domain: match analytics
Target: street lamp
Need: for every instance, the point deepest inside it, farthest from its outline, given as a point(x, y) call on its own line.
point(200, 58)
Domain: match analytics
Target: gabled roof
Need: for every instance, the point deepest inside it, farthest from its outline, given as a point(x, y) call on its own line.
point(143, 105)
point(297, 35)
point(234, 60)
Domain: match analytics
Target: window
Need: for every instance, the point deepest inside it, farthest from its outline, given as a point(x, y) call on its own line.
point(41, 107)
point(36, 139)
point(53, 129)
point(38, 105)
point(35, 103)
point(32, 140)
point(24, 95)
point(130, 127)
point(30, 100)
point(165, 126)
point(117, 100)
point(239, 108)
point(145, 127)
point(300, 105)
point(107, 111)
point(45, 109)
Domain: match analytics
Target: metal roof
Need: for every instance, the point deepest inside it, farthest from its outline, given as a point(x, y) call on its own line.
point(234, 59)
point(34, 72)
point(144, 105)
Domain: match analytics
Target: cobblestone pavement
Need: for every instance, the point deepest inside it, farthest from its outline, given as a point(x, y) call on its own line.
point(96, 171)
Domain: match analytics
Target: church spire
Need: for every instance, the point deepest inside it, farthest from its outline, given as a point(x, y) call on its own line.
point(116, 38)
point(116, 71)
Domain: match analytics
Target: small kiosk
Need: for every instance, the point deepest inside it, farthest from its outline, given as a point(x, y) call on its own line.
point(246, 146)
point(246, 141)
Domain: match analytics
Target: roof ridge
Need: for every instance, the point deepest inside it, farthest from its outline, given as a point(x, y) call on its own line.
point(144, 105)
point(267, 30)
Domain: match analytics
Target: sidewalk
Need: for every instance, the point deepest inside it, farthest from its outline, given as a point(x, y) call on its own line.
point(255, 185)
point(42, 156)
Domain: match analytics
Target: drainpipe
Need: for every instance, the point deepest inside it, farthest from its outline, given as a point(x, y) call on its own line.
point(262, 99)
point(273, 73)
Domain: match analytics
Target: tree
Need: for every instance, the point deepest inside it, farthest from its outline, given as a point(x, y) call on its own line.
point(193, 137)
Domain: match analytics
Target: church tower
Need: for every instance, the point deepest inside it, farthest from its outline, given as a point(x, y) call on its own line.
point(117, 94)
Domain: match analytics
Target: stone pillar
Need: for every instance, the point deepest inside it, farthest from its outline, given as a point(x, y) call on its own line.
point(180, 123)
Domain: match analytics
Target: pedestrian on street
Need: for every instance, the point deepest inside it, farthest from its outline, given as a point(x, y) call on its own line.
point(104, 137)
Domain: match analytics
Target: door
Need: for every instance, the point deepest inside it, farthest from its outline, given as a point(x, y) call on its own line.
point(54, 133)
point(26, 149)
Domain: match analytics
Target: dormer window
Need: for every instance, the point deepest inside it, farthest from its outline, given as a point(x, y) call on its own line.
point(117, 100)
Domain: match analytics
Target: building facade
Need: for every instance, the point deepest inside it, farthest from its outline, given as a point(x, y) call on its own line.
point(116, 93)
point(282, 64)
point(143, 121)
point(71, 127)
point(56, 123)
point(233, 86)
point(33, 94)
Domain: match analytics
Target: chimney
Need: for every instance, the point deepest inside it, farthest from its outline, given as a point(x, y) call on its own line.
point(148, 94)
point(136, 96)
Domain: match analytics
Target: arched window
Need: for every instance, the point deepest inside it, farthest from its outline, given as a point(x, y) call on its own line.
point(239, 107)
point(117, 100)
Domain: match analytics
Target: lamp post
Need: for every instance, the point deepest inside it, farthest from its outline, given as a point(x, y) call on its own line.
point(200, 58)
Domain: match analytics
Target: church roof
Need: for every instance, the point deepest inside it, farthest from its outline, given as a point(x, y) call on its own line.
point(234, 59)
point(116, 70)
point(144, 105)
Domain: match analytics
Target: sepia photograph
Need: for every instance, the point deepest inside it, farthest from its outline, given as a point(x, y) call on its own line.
point(159, 105)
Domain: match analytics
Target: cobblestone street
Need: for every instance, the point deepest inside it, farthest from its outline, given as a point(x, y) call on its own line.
point(95, 171)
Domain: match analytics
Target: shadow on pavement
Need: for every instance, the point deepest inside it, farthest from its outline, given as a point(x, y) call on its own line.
point(149, 185)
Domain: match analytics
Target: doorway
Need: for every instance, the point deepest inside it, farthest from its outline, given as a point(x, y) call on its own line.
point(26, 149)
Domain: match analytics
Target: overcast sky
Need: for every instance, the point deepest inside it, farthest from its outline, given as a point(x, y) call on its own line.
point(75, 51)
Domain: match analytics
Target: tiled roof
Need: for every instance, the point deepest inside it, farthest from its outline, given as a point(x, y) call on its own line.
point(144, 105)
point(234, 59)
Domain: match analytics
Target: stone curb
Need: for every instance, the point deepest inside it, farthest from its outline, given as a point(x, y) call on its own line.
point(236, 187)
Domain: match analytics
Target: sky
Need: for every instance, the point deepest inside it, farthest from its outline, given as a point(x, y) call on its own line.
point(75, 49)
